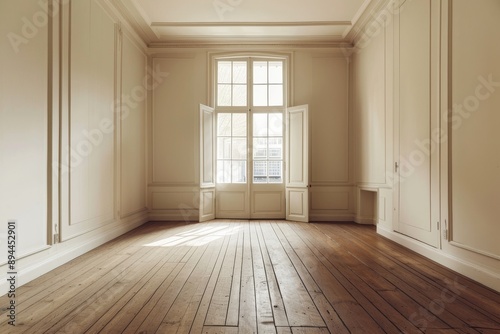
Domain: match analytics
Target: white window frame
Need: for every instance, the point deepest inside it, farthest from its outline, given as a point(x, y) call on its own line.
point(250, 57)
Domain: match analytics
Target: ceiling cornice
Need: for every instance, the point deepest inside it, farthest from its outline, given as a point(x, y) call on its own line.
point(148, 31)
point(128, 10)
point(251, 24)
point(248, 44)
point(369, 15)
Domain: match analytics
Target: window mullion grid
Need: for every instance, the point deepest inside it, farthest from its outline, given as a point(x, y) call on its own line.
point(232, 85)
point(268, 88)
point(250, 109)
point(275, 159)
point(240, 160)
point(225, 160)
point(250, 137)
point(250, 87)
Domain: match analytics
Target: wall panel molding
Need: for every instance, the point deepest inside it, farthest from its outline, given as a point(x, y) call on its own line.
point(268, 204)
point(89, 125)
point(473, 178)
point(332, 203)
point(173, 203)
point(328, 100)
point(133, 127)
point(174, 159)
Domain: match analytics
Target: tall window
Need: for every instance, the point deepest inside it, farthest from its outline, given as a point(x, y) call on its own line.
point(250, 89)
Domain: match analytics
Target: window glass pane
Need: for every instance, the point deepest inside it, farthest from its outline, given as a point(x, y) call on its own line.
point(239, 171)
point(239, 148)
point(220, 171)
point(275, 171)
point(275, 72)
point(268, 147)
point(260, 171)
point(223, 148)
point(275, 148)
point(276, 125)
point(240, 72)
point(223, 124)
point(224, 171)
point(275, 95)
point(224, 72)
point(259, 125)
point(260, 95)
point(232, 148)
point(224, 95)
point(260, 148)
point(260, 72)
point(240, 125)
point(227, 171)
point(239, 95)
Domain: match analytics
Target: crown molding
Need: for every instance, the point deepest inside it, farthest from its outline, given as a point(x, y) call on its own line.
point(149, 31)
point(273, 42)
point(252, 44)
point(252, 24)
point(127, 28)
point(369, 15)
point(136, 20)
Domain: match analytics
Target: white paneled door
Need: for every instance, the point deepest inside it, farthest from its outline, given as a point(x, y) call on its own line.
point(250, 165)
point(252, 152)
point(248, 142)
point(207, 164)
point(242, 165)
point(297, 159)
point(417, 56)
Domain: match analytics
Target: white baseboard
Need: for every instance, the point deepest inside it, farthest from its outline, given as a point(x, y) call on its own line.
point(31, 268)
point(474, 271)
point(365, 220)
point(341, 217)
point(190, 215)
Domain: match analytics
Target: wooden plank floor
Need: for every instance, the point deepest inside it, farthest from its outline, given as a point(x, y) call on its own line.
point(253, 277)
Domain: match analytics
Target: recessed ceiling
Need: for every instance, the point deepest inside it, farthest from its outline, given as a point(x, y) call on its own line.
point(170, 21)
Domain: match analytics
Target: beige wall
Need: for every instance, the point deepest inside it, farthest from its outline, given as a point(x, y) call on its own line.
point(475, 98)
point(97, 190)
point(320, 79)
point(372, 115)
point(23, 128)
point(136, 86)
point(467, 172)
point(370, 112)
point(174, 135)
point(88, 144)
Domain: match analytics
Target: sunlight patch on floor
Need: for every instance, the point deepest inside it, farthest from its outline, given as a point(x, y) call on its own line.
point(196, 237)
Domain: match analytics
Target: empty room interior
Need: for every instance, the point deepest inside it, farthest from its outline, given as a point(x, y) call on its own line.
point(250, 166)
